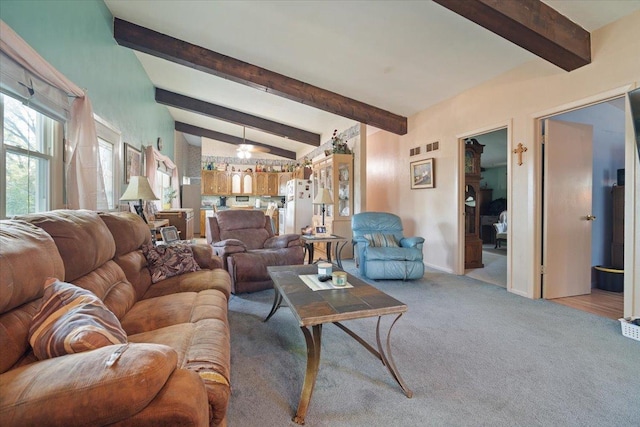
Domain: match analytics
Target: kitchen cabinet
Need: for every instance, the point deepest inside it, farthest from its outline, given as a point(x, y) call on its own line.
point(335, 173)
point(266, 184)
point(215, 183)
point(283, 177)
point(241, 183)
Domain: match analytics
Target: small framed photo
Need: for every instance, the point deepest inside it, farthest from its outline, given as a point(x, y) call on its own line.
point(422, 174)
point(321, 231)
point(132, 162)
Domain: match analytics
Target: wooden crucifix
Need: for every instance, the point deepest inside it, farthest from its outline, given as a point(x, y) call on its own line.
point(521, 149)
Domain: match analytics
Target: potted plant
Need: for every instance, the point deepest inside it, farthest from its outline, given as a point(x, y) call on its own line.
point(339, 146)
point(170, 193)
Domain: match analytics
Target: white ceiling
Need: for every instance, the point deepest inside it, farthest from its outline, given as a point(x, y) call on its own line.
point(401, 56)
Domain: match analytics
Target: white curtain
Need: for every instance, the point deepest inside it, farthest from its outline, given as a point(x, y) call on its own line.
point(82, 165)
point(152, 158)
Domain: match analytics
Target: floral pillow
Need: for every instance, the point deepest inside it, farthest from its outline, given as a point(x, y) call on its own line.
point(166, 261)
point(72, 320)
point(381, 240)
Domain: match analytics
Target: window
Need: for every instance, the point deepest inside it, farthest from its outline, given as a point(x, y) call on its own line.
point(106, 162)
point(30, 166)
point(108, 141)
point(163, 188)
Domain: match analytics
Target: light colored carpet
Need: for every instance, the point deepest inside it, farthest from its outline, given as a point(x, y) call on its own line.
point(495, 267)
point(473, 354)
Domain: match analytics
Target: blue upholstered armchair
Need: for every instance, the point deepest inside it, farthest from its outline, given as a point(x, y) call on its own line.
point(382, 252)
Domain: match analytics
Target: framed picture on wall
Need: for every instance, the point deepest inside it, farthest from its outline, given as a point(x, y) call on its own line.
point(132, 162)
point(422, 174)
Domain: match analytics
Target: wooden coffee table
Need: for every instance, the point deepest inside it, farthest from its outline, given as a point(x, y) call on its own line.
point(312, 309)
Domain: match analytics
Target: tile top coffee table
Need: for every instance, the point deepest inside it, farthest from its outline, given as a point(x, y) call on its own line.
point(312, 309)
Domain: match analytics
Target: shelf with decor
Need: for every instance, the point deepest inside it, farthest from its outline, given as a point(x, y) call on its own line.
point(335, 173)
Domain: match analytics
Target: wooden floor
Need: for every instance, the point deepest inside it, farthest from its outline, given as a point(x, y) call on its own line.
point(603, 303)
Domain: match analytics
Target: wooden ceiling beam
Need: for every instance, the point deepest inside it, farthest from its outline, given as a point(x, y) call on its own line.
point(183, 102)
point(160, 45)
point(532, 25)
point(230, 139)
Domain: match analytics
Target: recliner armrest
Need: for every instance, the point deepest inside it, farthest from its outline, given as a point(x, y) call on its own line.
point(228, 247)
point(283, 241)
point(360, 240)
point(411, 242)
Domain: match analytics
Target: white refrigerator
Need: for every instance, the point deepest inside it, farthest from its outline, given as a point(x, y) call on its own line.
point(299, 207)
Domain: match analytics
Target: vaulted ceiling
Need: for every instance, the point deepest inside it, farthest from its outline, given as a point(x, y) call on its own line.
point(285, 74)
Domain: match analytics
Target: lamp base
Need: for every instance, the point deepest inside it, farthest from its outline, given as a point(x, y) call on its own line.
point(140, 211)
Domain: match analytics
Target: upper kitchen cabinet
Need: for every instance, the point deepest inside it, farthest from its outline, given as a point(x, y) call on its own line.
point(215, 183)
point(241, 183)
point(266, 183)
point(283, 178)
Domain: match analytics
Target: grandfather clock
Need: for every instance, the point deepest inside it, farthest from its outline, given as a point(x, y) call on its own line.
point(472, 242)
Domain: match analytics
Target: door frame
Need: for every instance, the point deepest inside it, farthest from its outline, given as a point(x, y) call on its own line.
point(461, 191)
point(632, 171)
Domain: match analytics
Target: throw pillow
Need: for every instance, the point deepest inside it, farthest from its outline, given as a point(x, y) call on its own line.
point(72, 320)
point(381, 240)
point(166, 261)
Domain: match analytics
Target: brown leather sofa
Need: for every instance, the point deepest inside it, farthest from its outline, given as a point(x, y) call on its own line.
point(175, 369)
point(245, 241)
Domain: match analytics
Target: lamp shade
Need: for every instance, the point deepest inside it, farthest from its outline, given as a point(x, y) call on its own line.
point(323, 197)
point(138, 189)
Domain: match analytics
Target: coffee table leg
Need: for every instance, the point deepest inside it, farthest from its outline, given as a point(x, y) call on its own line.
point(277, 300)
point(313, 361)
point(387, 359)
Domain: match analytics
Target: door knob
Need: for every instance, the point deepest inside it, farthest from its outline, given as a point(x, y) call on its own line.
point(591, 217)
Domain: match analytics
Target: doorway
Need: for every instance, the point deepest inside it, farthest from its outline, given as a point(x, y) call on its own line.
point(491, 202)
point(578, 223)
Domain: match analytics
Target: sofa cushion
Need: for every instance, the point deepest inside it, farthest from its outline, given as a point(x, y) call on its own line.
point(169, 260)
point(381, 240)
point(21, 282)
point(72, 320)
point(82, 238)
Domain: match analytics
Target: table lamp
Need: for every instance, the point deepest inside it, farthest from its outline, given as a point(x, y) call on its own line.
point(139, 189)
point(323, 198)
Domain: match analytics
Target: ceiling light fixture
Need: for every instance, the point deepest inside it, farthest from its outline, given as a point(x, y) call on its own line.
point(244, 151)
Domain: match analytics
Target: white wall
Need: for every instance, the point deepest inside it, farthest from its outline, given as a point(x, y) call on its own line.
point(517, 98)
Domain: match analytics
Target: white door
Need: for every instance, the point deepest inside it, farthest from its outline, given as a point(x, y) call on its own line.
point(568, 166)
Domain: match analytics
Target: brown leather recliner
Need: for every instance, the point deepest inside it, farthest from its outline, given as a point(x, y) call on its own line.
point(245, 241)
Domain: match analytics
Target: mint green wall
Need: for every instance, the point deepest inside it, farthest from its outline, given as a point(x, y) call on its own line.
point(495, 178)
point(76, 37)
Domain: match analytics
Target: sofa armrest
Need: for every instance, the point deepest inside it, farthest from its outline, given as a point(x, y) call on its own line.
point(80, 389)
point(205, 257)
point(411, 242)
point(283, 241)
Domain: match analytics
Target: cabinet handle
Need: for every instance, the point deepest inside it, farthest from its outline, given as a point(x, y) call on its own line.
point(591, 217)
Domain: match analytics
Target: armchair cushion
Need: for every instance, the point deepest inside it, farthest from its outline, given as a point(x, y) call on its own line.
point(166, 261)
point(381, 240)
point(72, 320)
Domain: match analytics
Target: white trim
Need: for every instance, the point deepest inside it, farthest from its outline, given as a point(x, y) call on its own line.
point(508, 124)
point(631, 251)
